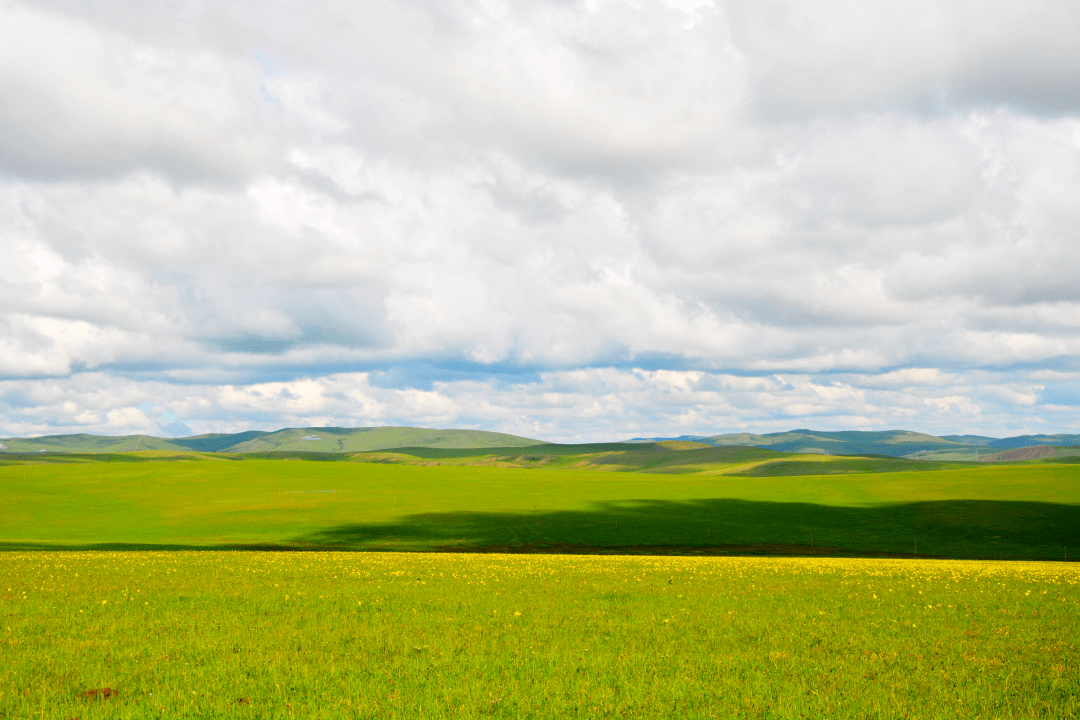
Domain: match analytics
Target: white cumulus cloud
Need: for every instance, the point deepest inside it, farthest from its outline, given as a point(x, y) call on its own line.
point(579, 220)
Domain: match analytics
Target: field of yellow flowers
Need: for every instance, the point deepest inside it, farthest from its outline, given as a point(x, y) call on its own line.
point(357, 635)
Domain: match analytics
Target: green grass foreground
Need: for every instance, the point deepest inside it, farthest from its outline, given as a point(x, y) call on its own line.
point(1029, 511)
point(359, 635)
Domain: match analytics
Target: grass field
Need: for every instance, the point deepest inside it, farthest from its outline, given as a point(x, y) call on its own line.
point(989, 511)
point(609, 632)
point(359, 635)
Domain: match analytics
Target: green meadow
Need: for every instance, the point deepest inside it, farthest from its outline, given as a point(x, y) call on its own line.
point(572, 503)
point(546, 582)
point(93, 635)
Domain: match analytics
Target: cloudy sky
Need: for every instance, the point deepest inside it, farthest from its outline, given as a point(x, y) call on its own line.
point(571, 220)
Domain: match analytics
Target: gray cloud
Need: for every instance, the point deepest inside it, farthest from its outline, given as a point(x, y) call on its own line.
point(207, 195)
point(843, 56)
point(81, 100)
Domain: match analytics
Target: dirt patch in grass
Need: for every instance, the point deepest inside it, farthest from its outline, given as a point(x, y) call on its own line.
point(1034, 452)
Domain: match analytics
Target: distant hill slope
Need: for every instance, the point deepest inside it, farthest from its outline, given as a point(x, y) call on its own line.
point(1030, 440)
point(1035, 452)
point(896, 443)
point(377, 438)
point(216, 442)
point(83, 443)
point(289, 439)
point(980, 440)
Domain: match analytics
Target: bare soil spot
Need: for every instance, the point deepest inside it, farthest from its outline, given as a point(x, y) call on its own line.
point(1034, 452)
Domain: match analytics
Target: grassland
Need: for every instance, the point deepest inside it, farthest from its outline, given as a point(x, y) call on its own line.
point(359, 635)
point(629, 626)
point(592, 502)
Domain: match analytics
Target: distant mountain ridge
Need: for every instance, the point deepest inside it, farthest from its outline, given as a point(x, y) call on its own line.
point(325, 439)
point(896, 443)
point(1031, 440)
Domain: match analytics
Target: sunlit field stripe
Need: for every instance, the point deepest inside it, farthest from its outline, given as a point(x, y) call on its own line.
point(342, 635)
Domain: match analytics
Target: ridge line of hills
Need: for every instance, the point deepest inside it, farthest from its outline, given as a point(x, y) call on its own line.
point(894, 443)
point(310, 439)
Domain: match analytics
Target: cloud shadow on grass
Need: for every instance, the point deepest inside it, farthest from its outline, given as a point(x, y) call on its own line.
point(954, 528)
point(957, 528)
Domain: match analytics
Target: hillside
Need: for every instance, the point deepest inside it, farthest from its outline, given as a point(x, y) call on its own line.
point(1031, 440)
point(289, 439)
point(981, 440)
point(665, 458)
point(217, 442)
point(892, 443)
point(1035, 452)
point(380, 438)
point(82, 443)
point(895, 443)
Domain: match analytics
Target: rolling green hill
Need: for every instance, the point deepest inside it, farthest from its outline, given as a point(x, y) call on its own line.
point(896, 443)
point(1032, 440)
point(379, 438)
point(763, 504)
point(892, 443)
point(665, 458)
point(82, 443)
point(290, 439)
point(970, 439)
point(217, 442)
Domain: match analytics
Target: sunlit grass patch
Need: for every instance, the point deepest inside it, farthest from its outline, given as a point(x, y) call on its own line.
point(219, 634)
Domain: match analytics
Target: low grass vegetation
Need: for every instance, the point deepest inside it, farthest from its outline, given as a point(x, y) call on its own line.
point(631, 591)
point(360, 635)
point(641, 501)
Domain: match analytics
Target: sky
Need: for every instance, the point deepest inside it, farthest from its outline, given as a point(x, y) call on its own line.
point(572, 221)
